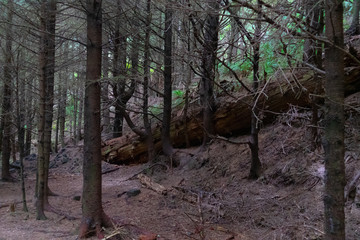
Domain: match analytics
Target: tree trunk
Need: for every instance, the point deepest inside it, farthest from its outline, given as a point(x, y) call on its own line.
point(62, 108)
point(29, 117)
point(208, 64)
point(6, 104)
point(93, 215)
point(233, 41)
point(188, 78)
point(81, 113)
point(334, 121)
point(29, 124)
point(56, 150)
point(105, 94)
point(47, 67)
point(313, 50)
point(120, 77)
point(165, 131)
point(255, 169)
point(20, 110)
point(75, 112)
point(312, 12)
point(233, 116)
point(147, 123)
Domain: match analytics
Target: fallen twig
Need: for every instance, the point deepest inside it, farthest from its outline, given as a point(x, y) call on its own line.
point(110, 170)
point(149, 183)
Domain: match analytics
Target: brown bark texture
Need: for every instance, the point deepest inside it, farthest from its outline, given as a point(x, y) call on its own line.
point(233, 115)
point(46, 82)
point(255, 169)
point(208, 64)
point(6, 104)
point(168, 65)
point(334, 122)
point(93, 215)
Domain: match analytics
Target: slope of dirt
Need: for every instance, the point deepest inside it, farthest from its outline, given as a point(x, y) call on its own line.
point(208, 194)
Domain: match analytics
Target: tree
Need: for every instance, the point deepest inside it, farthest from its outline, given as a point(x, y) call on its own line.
point(105, 91)
point(93, 214)
point(146, 67)
point(208, 63)
point(255, 169)
point(165, 132)
point(62, 98)
point(313, 50)
point(333, 140)
point(20, 124)
point(119, 73)
point(46, 82)
point(7, 95)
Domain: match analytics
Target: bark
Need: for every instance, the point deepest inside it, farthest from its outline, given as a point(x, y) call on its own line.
point(255, 169)
point(29, 116)
point(233, 40)
point(231, 117)
point(56, 150)
point(93, 215)
point(313, 50)
point(47, 68)
point(313, 12)
point(147, 123)
point(105, 93)
point(7, 94)
point(188, 77)
point(165, 132)
point(208, 63)
point(62, 110)
point(334, 120)
point(121, 93)
point(20, 113)
point(20, 109)
point(81, 113)
point(75, 113)
point(29, 123)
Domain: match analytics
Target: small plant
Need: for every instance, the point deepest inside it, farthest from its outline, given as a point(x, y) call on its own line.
point(178, 98)
point(155, 110)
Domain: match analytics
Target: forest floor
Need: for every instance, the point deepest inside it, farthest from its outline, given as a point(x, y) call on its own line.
point(208, 196)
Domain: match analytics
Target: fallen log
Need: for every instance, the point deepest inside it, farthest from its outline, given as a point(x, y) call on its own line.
point(232, 115)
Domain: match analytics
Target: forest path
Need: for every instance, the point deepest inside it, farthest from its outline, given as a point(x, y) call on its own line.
point(208, 195)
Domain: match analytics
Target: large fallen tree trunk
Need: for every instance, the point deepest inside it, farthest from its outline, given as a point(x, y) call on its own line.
point(232, 115)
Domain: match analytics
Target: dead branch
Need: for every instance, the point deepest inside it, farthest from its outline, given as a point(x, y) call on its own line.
point(149, 183)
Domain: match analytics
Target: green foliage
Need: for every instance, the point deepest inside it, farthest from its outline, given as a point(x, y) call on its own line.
point(178, 98)
point(156, 109)
point(237, 67)
point(69, 110)
point(272, 58)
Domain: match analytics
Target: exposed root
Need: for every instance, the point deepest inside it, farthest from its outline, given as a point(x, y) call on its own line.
point(51, 193)
point(89, 226)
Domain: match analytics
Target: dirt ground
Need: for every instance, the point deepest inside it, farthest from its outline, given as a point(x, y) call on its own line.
point(208, 196)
